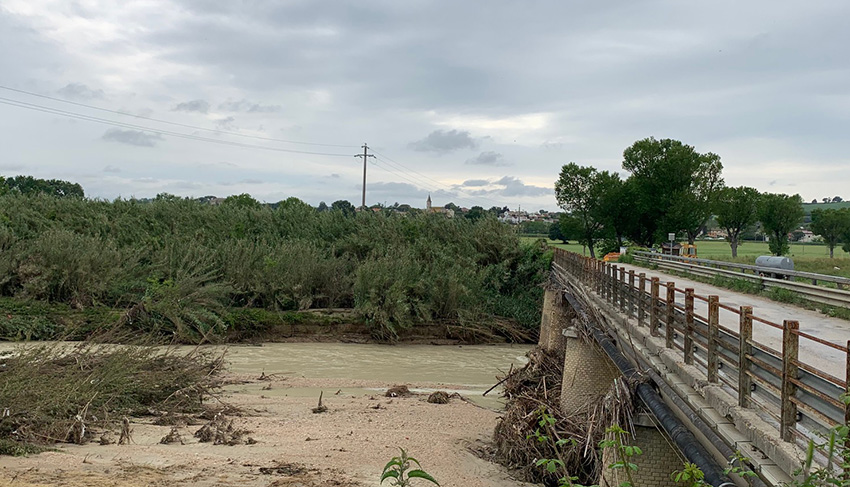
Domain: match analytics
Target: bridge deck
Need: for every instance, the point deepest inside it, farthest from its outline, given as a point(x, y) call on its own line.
point(834, 330)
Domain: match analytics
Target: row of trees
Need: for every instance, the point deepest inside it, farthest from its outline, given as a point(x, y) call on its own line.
point(671, 188)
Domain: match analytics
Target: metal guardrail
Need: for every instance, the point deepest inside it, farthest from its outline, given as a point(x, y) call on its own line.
point(837, 296)
point(799, 398)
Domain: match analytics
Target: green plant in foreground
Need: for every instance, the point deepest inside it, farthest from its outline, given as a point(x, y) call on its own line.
point(741, 469)
point(623, 453)
point(552, 465)
point(398, 469)
point(691, 475)
point(837, 452)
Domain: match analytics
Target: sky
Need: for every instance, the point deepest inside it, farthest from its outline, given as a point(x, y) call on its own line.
point(473, 102)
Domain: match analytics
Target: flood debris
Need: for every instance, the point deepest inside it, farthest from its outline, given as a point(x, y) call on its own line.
point(400, 390)
point(61, 393)
point(536, 388)
point(172, 437)
point(321, 408)
point(220, 431)
point(439, 397)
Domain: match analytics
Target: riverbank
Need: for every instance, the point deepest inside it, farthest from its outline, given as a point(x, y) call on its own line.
point(22, 320)
point(284, 443)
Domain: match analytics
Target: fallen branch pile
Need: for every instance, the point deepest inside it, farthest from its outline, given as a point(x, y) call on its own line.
point(59, 393)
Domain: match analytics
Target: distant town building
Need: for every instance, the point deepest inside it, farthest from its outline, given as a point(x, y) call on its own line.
point(443, 211)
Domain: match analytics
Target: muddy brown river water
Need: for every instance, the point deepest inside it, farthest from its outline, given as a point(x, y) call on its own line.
point(473, 367)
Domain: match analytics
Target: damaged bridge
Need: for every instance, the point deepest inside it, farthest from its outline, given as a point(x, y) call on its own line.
point(709, 378)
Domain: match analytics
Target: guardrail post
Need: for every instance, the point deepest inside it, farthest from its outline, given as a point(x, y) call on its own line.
point(745, 349)
point(713, 332)
point(671, 312)
point(600, 274)
point(689, 326)
point(631, 293)
point(653, 307)
point(847, 406)
point(642, 299)
point(614, 294)
point(790, 351)
point(623, 291)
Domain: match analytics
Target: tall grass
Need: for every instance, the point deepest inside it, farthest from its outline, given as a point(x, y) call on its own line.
point(183, 268)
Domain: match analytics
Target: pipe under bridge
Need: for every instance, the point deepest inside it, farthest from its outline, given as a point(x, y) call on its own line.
point(708, 385)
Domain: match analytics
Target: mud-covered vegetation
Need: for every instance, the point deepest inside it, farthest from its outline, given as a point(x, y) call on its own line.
point(56, 393)
point(197, 272)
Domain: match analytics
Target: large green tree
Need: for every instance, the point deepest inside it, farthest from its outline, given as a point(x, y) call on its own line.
point(779, 215)
point(53, 187)
point(832, 225)
point(580, 192)
point(737, 209)
point(674, 188)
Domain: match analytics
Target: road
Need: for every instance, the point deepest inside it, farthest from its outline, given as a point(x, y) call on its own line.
point(834, 330)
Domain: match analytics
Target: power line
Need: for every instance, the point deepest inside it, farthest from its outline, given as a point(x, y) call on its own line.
point(178, 124)
point(89, 118)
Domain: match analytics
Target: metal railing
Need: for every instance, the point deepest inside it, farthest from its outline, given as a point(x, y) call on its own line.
point(795, 380)
point(816, 291)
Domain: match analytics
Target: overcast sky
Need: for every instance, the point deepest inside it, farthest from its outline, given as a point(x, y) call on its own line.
point(479, 103)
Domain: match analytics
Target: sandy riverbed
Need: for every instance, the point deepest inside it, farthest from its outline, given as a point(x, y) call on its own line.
point(347, 446)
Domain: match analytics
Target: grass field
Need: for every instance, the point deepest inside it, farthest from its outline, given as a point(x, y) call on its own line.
point(807, 257)
point(808, 207)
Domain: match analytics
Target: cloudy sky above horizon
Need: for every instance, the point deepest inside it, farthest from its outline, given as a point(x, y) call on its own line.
point(479, 103)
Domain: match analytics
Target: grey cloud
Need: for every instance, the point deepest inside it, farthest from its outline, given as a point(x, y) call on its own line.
point(79, 91)
point(225, 123)
point(252, 181)
point(131, 137)
point(442, 142)
point(249, 107)
point(11, 167)
point(488, 158)
point(391, 188)
point(475, 183)
point(112, 169)
point(201, 106)
point(145, 180)
point(512, 186)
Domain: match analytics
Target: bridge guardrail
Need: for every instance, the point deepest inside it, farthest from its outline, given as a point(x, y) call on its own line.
point(728, 345)
point(837, 296)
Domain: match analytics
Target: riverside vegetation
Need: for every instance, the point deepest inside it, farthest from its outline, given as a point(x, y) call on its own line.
point(193, 272)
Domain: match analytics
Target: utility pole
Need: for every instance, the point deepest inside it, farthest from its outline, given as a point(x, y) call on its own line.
point(365, 155)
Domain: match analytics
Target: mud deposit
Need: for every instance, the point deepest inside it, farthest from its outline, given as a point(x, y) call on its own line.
point(346, 446)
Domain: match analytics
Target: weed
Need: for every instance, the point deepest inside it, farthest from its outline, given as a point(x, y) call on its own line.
point(399, 472)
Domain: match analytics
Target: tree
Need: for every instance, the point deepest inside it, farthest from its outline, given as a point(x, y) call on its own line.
point(837, 199)
point(53, 187)
point(815, 201)
point(737, 209)
point(476, 213)
point(322, 207)
point(779, 215)
point(675, 187)
point(343, 206)
point(555, 232)
point(243, 200)
point(831, 225)
point(579, 191)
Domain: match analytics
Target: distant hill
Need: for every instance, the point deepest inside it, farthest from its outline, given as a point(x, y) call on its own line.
point(808, 207)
